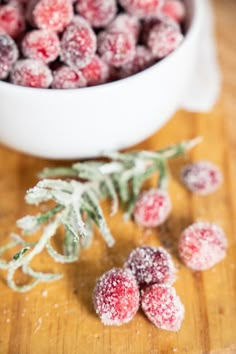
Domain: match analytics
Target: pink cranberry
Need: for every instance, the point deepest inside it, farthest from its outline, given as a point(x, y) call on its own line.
point(142, 9)
point(78, 44)
point(175, 9)
point(67, 78)
point(142, 60)
point(163, 307)
point(125, 23)
point(32, 73)
point(151, 265)
point(202, 245)
point(96, 72)
point(41, 44)
point(116, 48)
point(12, 19)
point(148, 24)
point(152, 208)
point(99, 13)
point(8, 55)
point(54, 15)
point(164, 38)
point(202, 177)
point(116, 297)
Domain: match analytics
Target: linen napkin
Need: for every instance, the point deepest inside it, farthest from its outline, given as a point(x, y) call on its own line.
point(206, 80)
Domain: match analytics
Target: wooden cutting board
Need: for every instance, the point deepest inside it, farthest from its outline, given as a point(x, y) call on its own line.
point(59, 318)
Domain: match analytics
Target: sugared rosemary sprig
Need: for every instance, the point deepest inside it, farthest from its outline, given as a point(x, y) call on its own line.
point(76, 207)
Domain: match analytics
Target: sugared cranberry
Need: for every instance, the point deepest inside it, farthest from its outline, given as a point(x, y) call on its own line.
point(8, 55)
point(164, 38)
point(116, 297)
point(99, 13)
point(202, 177)
point(116, 48)
point(175, 9)
point(202, 245)
point(12, 19)
point(148, 24)
point(67, 78)
point(32, 73)
point(152, 208)
point(163, 307)
point(125, 23)
point(78, 44)
point(41, 44)
point(54, 15)
point(151, 265)
point(142, 60)
point(142, 9)
point(96, 72)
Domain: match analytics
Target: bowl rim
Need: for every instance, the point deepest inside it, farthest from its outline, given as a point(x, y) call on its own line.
point(190, 33)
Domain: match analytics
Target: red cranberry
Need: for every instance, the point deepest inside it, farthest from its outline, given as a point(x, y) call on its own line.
point(54, 15)
point(116, 297)
point(96, 72)
point(152, 208)
point(12, 19)
point(202, 245)
point(175, 9)
point(142, 9)
point(163, 307)
point(8, 55)
point(151, 265)
point(32, 73)
point(67, 78)
point(202, 177)
point(99, 13)
point(41, 44)
point(78, 44)
point(125, 23)
point(164, 38)
point(116, 48)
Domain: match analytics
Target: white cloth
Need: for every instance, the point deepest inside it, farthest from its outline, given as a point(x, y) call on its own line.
point(206, 82)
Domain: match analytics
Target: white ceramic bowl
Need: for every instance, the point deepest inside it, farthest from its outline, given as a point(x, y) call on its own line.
point(66, 124)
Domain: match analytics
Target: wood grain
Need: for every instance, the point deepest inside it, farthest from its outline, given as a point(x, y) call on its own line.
point(59, 318)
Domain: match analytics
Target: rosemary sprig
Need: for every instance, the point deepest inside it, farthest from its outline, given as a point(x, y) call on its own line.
point(76, 207)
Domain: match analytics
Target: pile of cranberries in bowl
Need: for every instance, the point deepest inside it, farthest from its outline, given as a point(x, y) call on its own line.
point(65, 44)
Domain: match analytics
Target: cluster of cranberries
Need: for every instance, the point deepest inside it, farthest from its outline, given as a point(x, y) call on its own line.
point(146, 279)
point(149, 273)
point(76, 43)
